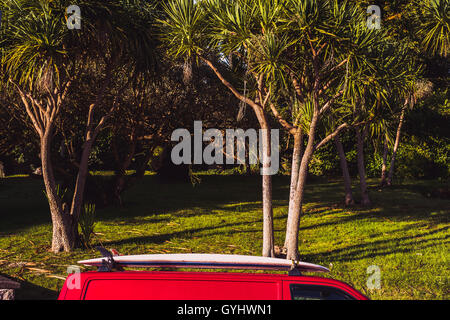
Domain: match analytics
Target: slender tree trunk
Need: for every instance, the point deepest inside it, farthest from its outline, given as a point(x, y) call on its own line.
point(268, 235)
point(384, 165)
point(2, 170)
point(248, 169)
point(78, 195)
point(365, 201)
point(345, 173)
point(294, 217)
point(396, 144)
point(295, 167)
point(61, 239)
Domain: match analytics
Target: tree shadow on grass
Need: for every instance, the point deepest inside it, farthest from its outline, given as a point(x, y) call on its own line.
point(216, 193)
point(23, 203)
point(149, 197)
point(30, 291)
point(379, 248)
point(161, 238)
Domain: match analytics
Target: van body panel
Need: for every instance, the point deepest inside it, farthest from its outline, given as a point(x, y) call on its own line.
point(181, 289)
point(170, 285)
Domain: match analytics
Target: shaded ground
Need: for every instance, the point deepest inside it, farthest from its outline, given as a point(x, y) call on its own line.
point(405, 232)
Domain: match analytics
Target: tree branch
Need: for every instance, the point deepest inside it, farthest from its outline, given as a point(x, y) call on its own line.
point(329, 103)
point(336, 132)
point(236, 93)
point(37, 122)
point(331, 136)
point(290, 128)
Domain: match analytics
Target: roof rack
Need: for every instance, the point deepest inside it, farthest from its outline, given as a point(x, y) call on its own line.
point(108, 264)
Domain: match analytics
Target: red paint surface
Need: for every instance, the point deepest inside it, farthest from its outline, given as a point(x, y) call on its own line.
point(156, 285)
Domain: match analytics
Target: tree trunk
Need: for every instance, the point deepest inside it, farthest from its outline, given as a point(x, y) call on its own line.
point(296, 158)
point(2, 170)
point(91, 135)
point(62, 239)
point(248, 169)
point(384, 165)
point(396, 144)
point(365, 201)
point(294, 216)
point(78, 195)
point(345, 173)
point(92, 131)
point(268, 235)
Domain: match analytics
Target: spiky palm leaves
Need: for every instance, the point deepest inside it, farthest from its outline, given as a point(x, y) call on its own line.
point(37, 46)
point(33, 36)
point(434, 26)
point(184, 27)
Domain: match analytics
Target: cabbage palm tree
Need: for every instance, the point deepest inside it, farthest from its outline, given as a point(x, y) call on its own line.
point(211, 30)
point(41, 59)
point(332, 44)
point(33, 51)
point(369, 87)
point(292, 50)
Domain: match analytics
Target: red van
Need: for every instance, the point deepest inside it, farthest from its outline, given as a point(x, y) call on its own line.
point(169, 285)
point(108, 284)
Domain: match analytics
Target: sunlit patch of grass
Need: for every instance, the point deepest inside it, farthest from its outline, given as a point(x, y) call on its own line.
point(404, 232)
point(17, 176)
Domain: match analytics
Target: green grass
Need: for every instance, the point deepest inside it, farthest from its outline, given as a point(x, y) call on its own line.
point(405, 232)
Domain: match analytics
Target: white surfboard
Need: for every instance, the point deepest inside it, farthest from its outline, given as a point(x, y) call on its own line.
point(209, 261)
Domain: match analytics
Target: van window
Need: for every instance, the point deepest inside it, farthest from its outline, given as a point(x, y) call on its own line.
point(316, 292)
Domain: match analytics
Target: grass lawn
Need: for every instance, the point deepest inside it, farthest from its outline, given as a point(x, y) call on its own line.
point(405, 232)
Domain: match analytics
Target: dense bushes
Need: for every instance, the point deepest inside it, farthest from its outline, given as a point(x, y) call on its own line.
point(415, 159)
point(424, 148)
